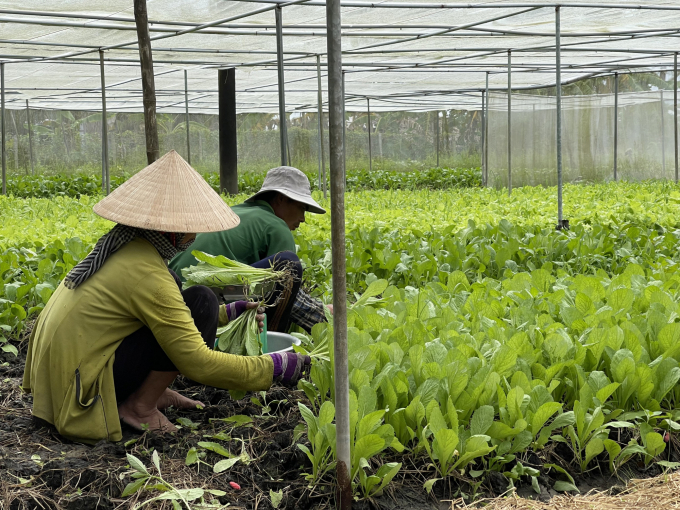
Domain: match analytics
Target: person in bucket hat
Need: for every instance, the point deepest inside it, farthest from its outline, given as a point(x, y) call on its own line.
point(264, 238)
point(119, 329)
point(292, 184)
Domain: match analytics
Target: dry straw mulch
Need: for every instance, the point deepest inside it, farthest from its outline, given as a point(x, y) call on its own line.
point(660, 493)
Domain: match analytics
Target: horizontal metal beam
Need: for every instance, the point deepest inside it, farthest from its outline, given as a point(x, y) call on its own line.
point(659, 51)
point(135, 49)
point(191, 30)
point(395, 66)
point(443, 32)
point(479, 5)
point(249, 30)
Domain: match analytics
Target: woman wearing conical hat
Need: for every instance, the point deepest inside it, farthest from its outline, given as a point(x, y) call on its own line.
point(119, 329)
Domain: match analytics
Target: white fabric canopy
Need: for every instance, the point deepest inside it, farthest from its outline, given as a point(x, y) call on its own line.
point(391, 55)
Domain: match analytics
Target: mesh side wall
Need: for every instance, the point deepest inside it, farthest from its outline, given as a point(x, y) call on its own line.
point(587, 138)
point(70, 141)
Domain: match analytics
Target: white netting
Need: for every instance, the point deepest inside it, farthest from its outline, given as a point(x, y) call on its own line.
point(68, 141)
point(397, 77)
point(587, 138)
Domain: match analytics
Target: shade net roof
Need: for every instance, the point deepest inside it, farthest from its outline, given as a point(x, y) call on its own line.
point(403, 56)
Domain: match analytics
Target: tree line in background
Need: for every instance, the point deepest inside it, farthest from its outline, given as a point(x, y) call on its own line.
point(70, 141)
point(637, 82)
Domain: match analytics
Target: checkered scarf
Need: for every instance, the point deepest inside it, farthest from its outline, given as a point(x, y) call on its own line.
point(114, 240)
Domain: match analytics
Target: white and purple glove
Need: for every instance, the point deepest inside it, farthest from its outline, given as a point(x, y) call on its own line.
point(289, 367)
point(235, 309)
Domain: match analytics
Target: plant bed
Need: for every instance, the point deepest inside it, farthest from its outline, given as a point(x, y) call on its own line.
point(40, 469)
point(498, 357)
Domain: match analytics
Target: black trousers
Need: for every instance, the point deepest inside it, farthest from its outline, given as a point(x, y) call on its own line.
point(140, 353)
point(278, 316)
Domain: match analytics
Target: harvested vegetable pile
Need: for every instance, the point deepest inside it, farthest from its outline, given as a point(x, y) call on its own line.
point(240, 336)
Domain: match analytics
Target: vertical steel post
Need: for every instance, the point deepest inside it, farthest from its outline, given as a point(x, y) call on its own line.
point(186, 115)
point(436, 134)
point(344, 133)
point(322, 149)
point(30, 137)
point(3, 148)
point(675, 110)
point(483, 130)
point(616, 125)
point(368, 124)
point(509, 122)
point(558, 94)
point(486, 136)
point(106, 187)
point(283, 128)
point(663, 138)
point(336, 112)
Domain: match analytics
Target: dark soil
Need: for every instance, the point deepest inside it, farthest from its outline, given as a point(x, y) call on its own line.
point(41, 470)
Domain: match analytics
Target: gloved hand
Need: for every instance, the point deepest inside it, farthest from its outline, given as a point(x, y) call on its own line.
point(236, 308)
point(289, 367)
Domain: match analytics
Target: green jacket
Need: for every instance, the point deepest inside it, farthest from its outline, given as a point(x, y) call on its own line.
point(69, 365)
point(259, 234)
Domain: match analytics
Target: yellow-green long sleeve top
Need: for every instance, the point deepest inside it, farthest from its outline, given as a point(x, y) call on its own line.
point(69, 365)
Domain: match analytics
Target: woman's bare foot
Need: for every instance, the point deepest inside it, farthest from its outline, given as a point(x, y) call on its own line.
point(172, 398)
point(136, 415)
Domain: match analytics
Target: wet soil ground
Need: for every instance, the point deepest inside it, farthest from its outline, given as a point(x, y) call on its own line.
point(41, 470)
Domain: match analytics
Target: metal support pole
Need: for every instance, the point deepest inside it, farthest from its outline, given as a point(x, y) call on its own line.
point(186, 116)
point(558, 94)
point(436, 134)
point(486, 136)
point(509, 122)
point(283, 128)
point(106, 187)
point(344, 133)
point(483, 130)
point(322, 148)
point(336, 112)
point(368, 125)
point(616, 125)
point(675, 110)
point(3, 148)
point(30, 137)
point(663, 138)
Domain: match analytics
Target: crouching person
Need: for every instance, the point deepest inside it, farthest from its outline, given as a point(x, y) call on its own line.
point(264, 239)
point(118, 330)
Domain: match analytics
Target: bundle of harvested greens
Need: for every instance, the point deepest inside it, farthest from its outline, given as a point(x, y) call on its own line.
point(218, 271)
point(240, 336)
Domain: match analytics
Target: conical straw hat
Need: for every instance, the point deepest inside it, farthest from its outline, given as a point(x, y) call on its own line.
point(168, 196)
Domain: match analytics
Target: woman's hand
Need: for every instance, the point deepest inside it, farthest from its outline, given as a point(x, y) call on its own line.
point(260, 314)
point(236, 308)
point(289, 367)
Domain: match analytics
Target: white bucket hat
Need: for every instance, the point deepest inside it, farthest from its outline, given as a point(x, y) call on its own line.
point(168, 196)
point(292, 183)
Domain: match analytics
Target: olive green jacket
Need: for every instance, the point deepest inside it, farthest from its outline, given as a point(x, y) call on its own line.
point(69, 365)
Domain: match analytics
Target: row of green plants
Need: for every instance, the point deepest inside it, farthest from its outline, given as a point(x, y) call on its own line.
point(40, 240)
point(477, 332)
point(77, 185)
point(469, 375)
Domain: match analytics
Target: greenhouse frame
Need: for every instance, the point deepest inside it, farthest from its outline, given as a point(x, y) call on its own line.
point(383, 56)
point(397, 56)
